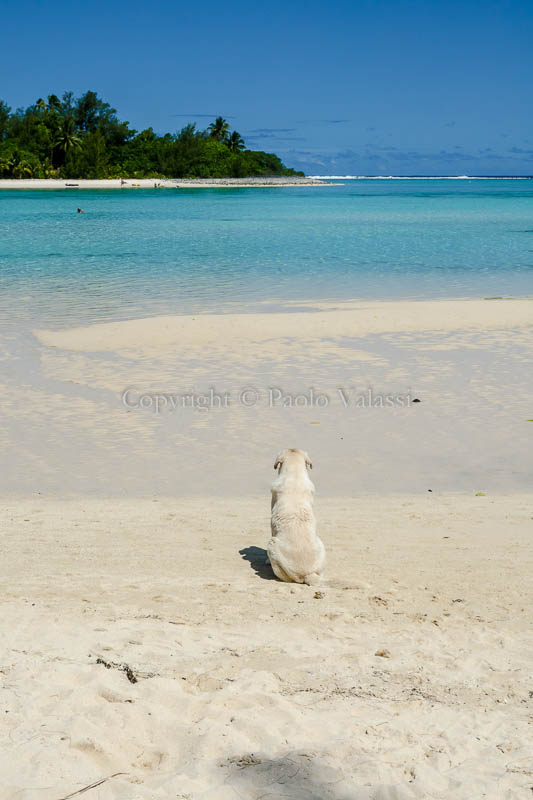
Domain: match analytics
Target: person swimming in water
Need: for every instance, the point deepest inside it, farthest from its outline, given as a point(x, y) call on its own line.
point(80, 210)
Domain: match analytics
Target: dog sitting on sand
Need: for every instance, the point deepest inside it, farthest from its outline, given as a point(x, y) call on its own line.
point(295, 551)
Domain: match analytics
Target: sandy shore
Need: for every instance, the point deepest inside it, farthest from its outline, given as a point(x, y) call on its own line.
point(146, 640)
point(107, 408)
point(147, 650)
point(157, 183)
point(333, 322)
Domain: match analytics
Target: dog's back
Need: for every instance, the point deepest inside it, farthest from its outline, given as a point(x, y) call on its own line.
point(295, 551)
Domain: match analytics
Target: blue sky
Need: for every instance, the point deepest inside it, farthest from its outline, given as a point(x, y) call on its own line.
point(360, 87)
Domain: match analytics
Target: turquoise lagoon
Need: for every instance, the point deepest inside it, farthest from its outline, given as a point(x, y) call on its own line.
point(146, 252)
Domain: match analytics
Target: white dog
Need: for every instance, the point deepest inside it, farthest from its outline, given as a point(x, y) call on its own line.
point(295, 551)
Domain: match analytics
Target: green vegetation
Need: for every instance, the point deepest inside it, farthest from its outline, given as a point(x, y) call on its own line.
point(83, 138)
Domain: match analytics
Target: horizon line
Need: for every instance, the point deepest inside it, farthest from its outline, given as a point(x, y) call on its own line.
point(422, 177)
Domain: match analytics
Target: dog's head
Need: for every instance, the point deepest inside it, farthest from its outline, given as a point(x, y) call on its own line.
point(292, 455)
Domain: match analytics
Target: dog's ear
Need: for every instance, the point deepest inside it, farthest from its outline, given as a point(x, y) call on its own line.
point(308, 462)
point(280, 458)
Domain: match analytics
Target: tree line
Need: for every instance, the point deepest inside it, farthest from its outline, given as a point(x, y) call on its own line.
point(82, 137)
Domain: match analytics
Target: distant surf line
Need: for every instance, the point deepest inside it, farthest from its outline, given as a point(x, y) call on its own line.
point(422, 177)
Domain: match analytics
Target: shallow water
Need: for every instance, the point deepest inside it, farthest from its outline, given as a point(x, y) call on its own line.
point(145, 252)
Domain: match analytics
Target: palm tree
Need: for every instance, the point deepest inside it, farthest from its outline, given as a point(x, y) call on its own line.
point(22, 168)
point(68, 136)
point(54, 103)
point(219, 129)
point(48, 170)
point(235, 142)
point(6, 164)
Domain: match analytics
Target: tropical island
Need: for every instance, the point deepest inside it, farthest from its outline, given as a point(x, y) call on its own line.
point(82, 138)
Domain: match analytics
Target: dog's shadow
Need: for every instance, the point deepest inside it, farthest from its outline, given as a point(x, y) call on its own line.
point(257, 557)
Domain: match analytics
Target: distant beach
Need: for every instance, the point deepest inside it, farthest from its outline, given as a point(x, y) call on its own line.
point(28, 184)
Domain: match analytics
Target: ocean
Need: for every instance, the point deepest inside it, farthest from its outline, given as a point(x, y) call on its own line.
point(146, 252)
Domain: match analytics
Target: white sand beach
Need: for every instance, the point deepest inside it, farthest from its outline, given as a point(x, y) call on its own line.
point(157, 183)
point(270, 331)
point(145, 639)
point(149, 653)
point(70, 427)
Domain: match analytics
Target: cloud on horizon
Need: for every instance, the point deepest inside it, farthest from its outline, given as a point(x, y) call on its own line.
point(321, 121)
point(259, 139)
point(269, 131)
point(258, 134)
point(373, 159)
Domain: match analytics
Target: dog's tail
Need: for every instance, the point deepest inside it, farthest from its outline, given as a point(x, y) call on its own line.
point(313, 578)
